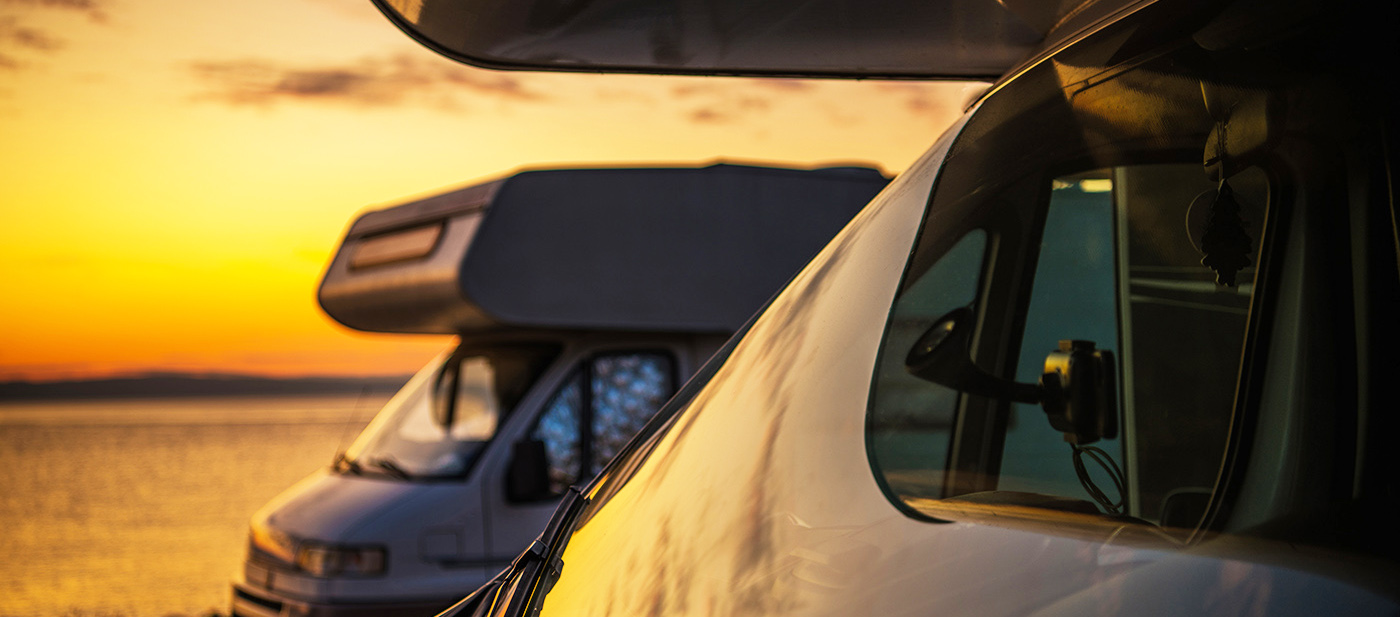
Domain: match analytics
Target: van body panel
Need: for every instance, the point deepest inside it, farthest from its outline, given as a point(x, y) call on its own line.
point(1117, 345)
point(582, 300)
point(419, 295)
point(647, 249)
point(628, 249)
point(334, 506)
point(755, 469)
point(442, 537)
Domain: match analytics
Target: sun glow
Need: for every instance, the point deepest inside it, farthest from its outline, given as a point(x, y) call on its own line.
point(177, 175)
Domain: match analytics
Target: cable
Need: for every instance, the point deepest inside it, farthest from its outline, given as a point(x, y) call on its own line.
point(1114, 473)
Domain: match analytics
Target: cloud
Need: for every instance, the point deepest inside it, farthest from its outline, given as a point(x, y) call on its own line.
point(360, 11)
point(94, 10)
point(20, 35)
point(728, 102)
point(709, 116)
point(936, 100)
point(17, 33)
point(370, 82)
point(685, 91)
point(784, 85)
point(730, 109)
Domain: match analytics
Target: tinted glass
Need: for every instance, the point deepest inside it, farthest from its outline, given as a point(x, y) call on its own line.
point(624, 391)
point(1074, 296)
point(559, 428)
point(910, 424)
point(627, 390)
point(1100, 226)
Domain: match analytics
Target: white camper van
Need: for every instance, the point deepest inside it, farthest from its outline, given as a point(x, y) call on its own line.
point(1122, 342)
point(582, 299)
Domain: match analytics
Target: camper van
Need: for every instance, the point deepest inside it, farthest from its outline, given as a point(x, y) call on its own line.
point(581, 299)
point(1122, 342)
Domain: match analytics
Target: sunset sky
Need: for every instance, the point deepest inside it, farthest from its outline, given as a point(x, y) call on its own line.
point(174, 175)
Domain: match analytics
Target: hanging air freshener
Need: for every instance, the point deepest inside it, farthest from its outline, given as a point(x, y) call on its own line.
point(1225, 243)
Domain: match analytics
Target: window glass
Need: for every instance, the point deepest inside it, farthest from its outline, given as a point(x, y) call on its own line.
point(439, 422)
point(1114, 261)
point(910, 419)
point(1183, 334)
point(627, 390)
point(558, 428)
point(624, 391)
point(1073, 296)
point(1106, 221)
point(477, 408)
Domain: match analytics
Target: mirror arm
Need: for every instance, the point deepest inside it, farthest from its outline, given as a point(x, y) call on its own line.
point(973, 380)
point(1076, 389)
point(941, 356)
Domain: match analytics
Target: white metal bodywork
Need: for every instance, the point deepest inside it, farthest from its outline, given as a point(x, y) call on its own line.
point(764, 493)
point(443, 538)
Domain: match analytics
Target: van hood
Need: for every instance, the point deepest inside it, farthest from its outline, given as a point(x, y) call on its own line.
point(333, 508)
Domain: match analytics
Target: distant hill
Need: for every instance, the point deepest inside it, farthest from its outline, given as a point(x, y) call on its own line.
point(185, 385)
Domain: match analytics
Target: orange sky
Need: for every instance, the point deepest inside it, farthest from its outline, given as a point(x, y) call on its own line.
point(175, 175)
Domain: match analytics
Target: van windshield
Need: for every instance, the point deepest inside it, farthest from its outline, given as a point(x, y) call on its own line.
point(437, 425)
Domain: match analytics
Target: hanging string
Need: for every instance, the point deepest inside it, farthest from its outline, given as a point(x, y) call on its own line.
point(1225, 242)
point(1114, 473)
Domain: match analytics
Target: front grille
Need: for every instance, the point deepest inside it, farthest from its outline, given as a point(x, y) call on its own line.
point(271, 605)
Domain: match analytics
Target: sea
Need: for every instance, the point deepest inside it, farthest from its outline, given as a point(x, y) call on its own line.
point(140, 507)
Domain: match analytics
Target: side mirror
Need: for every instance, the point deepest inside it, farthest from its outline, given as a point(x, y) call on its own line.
point(527, 478)
point(1076, 391)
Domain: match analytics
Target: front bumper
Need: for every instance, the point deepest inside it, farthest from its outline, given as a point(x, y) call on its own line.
point(253, 602)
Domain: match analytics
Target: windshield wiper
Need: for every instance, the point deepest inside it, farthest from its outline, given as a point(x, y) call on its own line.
point(538, 568)
point(387, 464)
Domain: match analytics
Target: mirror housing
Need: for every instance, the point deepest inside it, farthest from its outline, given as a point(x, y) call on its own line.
point(527, 478)
point(1078, 392)
point(1077, 388)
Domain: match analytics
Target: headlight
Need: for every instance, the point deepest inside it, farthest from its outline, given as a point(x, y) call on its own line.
point(330, 560)
point(264, 539)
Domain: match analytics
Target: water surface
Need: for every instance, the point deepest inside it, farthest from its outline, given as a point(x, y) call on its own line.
point(140, 507)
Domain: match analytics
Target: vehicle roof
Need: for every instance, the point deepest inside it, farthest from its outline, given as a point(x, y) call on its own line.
point(691, 249)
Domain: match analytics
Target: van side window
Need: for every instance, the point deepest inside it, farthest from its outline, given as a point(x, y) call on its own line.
point(1115, 261)
point(627, 390)
point(623, 391)
point(558, 428)
point(910, 421)
point(1073, 296)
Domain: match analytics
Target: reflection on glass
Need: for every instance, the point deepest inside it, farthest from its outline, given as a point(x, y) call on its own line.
point(625, 390)
point(911, 420)
point(1112, 263)
point(558, 428)
point(438, 423)
point(477, 408)
point(1074, 296)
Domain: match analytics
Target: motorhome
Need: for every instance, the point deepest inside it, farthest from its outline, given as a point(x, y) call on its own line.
point(1122, 342)
point(581, 299)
